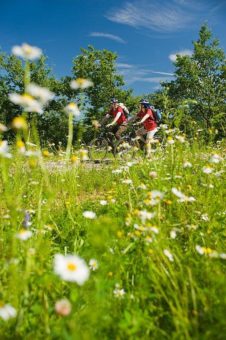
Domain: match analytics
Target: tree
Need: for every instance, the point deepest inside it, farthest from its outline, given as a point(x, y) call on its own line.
point(100, 67)
point(201, 77)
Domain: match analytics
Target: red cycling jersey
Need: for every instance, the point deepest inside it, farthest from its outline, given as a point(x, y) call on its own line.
point(122, 119)
point(149, 123)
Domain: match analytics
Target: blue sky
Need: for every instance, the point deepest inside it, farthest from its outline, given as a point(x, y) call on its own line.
point(145, 34)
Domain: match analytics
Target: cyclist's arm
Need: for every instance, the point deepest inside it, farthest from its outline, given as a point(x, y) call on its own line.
point(116, 119)
point(144, 118)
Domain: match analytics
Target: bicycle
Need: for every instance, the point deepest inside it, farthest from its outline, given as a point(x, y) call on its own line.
point(102, 147)
point(131, 146)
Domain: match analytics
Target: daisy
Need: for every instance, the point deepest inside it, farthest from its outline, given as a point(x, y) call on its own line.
point(19, 123)
point(89, 214)
point(27, 102)
point(103, 202)
point(26, 51)
point(168, 255)
point(24, 235)
point(93, 264)
point(81, 83)
point(145, 215)
point(7, 312)
point(71, 268)
point(207, 170)
point(3, 128)
point(42, 93)
point(72, 108)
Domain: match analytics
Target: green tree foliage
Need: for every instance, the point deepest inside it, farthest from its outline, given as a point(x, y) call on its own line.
point(202, 77)
point(100, 67)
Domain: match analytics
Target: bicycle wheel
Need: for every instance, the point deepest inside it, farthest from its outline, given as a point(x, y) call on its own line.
point(98, 149)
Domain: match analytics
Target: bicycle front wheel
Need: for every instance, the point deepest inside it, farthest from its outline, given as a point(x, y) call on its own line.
point(98, 149)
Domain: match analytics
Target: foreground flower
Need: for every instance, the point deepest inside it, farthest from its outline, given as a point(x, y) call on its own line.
point(72, 108)
point(119, 293)
point(24, 235)
point(42, 93)
point(215, 159)
point(81, 83)
point(93, 264)
point(103, 202)
point(83, 153)
point(4, 148)
point(28, 103)
point(187, 165)
point(207, 170)
point(168, 255)
point(7, 312)
point(71, 268)
point(19, 123)
point(181, 196)
point(145, 215)
point(63, 307)
point(3, 128)
point(89, 214)
point(26, 51)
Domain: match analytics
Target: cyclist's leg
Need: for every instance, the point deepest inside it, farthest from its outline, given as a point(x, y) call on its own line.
point(120, 130)
point(141, 133)
point(149, 140)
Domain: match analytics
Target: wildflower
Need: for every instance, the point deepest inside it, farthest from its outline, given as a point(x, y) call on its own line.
point(170, 141)
point(81, 83)
point(117, 171)
point(20, 146)
point(24, 235)
point(145, 215)
point(89, 214)
point(203, 250)
point(103, 202)
point(180, 138)
point(84, 154)
point(7, 312)
point(19, 123)
point(26, 51)
point(71, 268)
point(155, 196)
point(27, 102)
point(127, 181)
point(4, 147)
point(182, 197)
point(205, 217)
point(222, 256)
point(153, 174)
point(215, 159)
point(187, 165)
point(46, 153)
point(163, 126)
point(93, 264)
point(207, 170)
point(118, 293)
point(168, 255)
point(173, 234)
point(75, 159)
point(43, 94)
point(27, 220)
point(154, 230)
point(3, 128)
point(72, 108)
point(63, 307)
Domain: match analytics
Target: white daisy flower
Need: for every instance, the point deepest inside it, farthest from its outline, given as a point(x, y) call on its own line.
point(153, 174)
point(168, 255)
point(145, 215)
point(207, 170)
point(187, 165)
point(81, 83)
point(127, 181)
point(205, 217)
point(42, 93)
point(119, 293)
point(7, 312)
point(117, 171)
point(93, 264)
point(173, 234)
point(181, 139)
point(26, 51)
point(83, 153)
point(3, 128)
point(89, 214)
point(103, 202)
point(4, 148)
point(72, 108)
point(181, 196)
point(24, 234)
point(71, 268)
point(27, 102)
point(215, 159)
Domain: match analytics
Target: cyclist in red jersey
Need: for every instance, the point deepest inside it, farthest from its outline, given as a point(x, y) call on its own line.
point(119, 122)
point(149, 127)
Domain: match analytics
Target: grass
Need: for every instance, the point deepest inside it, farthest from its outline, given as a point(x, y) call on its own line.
point(169, 290)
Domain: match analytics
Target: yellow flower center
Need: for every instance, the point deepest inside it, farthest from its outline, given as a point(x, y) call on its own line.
point(27, 96)
point(80, 81)
point(20, 144)
point(72, 267)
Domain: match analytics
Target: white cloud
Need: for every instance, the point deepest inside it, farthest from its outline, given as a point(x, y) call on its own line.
point(138, 73)
point(164, 16)
point(173, 56)
point(107, 36)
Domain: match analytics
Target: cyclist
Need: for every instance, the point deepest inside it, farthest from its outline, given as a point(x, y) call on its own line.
point(119, 122)
point(149, 127)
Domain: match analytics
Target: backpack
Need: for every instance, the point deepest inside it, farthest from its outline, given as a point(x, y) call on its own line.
point(125, 110)
point(157, 115)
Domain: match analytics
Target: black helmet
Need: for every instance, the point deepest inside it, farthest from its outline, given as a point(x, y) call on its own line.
point(114, 100)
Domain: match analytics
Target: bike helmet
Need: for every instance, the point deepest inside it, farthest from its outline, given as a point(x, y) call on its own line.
point(145, 103)
point(114, 100)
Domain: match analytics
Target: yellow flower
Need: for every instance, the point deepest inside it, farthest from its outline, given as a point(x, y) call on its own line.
point(75, 159)
point(20, 144)
point(19, 123)
point(46, 153)
point(119, 234)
